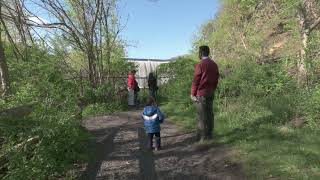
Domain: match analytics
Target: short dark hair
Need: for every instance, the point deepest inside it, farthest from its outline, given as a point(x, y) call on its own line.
point(150, 101)
point(204, 51)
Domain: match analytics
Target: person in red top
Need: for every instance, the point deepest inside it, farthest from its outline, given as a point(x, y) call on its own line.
point(130, 85)
point(205, 82)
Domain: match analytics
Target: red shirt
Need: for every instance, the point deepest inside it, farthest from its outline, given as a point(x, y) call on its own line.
point(131, 81)
point(206, 77)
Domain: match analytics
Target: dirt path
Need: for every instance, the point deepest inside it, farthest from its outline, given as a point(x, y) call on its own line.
point(120, 153)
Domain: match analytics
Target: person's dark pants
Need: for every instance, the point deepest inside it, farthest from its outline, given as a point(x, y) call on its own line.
point(150, 140)
point(136, 101)
point(152, 93)
point(205, 116)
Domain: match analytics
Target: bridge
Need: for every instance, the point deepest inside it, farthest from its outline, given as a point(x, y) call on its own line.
point(146, 66)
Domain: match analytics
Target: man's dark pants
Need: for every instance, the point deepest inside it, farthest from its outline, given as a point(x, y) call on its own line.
point(205, 116)
point(150, 140)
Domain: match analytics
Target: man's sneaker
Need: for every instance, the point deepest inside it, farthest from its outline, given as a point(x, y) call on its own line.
point(157, 148)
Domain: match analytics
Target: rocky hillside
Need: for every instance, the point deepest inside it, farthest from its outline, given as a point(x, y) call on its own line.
point(267, 31)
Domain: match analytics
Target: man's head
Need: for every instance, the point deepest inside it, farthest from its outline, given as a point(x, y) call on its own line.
point(204, 51)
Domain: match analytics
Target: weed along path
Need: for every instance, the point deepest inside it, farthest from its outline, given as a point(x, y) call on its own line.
point(120, 153)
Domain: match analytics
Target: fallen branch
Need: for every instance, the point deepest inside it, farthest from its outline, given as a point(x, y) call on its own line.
point(31, 141)
point(314, 25)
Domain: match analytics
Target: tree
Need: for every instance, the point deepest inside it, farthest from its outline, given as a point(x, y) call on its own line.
point(88, 26)
point(13, 20)
point(4, 74)
point(308, 21)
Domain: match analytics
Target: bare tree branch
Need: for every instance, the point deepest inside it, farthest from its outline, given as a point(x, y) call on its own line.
point(314, 25)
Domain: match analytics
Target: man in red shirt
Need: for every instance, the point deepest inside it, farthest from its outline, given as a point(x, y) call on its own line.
point(205, 81)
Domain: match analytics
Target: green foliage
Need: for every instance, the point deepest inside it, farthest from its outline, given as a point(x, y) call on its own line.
point(254, 107)
point(312, 108)
point(180, 74)
point(175, 91)
point(257, 121)
point(54, 121)
point(313, 57)
point(107, 98)
point(44, 82)
point(248, 4)
point(41, 137)
point(258, 100)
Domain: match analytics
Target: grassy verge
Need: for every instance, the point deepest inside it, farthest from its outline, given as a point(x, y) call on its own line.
point(266, 148)
point(269, 148)
point(182, 115)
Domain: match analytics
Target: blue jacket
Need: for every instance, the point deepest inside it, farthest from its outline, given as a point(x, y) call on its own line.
point(152, 117)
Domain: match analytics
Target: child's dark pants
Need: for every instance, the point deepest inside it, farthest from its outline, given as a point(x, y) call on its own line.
point(150, 140)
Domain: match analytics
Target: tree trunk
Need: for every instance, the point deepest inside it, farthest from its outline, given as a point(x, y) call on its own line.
point(100, 53)
point(4, 73)
point(301, 64)
point(108, 58)
point(92, 69)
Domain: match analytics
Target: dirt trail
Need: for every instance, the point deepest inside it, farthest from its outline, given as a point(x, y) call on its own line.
point(120, 153)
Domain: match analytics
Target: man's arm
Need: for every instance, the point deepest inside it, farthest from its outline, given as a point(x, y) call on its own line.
point(196, 80)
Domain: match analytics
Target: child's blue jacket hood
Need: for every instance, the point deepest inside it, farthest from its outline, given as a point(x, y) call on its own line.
point(152, 117)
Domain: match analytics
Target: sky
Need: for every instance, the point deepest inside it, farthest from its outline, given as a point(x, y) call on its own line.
point(162, 29)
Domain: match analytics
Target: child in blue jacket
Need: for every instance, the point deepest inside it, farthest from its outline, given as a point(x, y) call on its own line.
point(152, 117)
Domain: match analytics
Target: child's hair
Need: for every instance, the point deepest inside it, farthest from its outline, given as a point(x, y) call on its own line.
point(150, 101)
